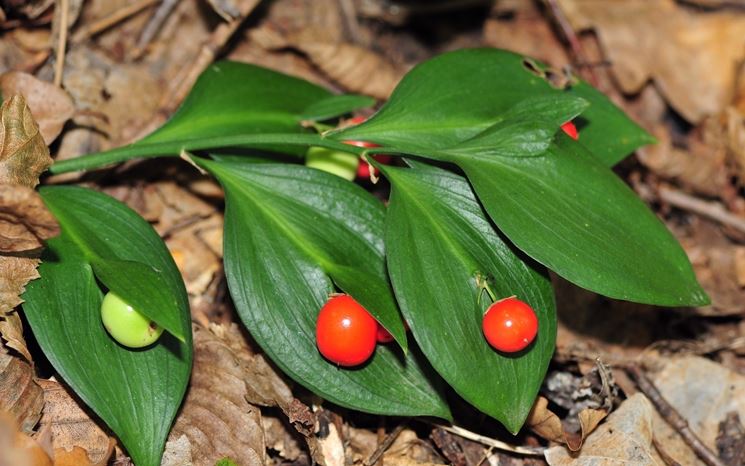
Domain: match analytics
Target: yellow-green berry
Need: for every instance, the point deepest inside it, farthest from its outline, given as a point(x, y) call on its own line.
point(339, 163)
point(126, 325)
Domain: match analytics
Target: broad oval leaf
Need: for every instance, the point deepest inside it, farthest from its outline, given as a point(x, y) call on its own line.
point(440, 244)
point(135, 392)
point(454, 96)
point(575, 216)
point(239, 98)
point(290, 233)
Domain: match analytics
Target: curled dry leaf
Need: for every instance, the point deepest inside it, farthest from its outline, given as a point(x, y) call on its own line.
point(50, 105)
point(545, 423)
point(74, 434)
point(216, 417)
point(23, 152)
point(625, 438)
point(20, 396)
point(17, 448)
point(695, 81)
point(25, 221)
point(11, 330)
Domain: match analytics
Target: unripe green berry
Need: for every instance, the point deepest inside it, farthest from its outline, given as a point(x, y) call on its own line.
point(126, 325)
point(339, 163)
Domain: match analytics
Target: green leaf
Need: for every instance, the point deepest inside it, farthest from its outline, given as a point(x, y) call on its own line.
point(145, 289)
point(605, 129)
point(135, 392)
point(290, 232)
point(572, 214)
point(439, 244)
point(238, 98)
point(453, 97)
point(336, 105)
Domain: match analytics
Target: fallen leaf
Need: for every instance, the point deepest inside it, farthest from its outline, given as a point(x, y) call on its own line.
point(17, 448)
point(11, 330)
point(23, 153)
point(177, 452)
point(694, 79)
point(545, 423)
point(353, 66)
point(216, 417)
point(625, 438)
point(73, 431)
point(50, 106)
point(20, 396)
point(76, 457)
point(25, 222)
point(704, 393)
point(522, 28)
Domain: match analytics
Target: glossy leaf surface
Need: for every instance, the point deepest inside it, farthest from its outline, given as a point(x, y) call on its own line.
point(135, 392)
point(291, 232)
point(441, 246)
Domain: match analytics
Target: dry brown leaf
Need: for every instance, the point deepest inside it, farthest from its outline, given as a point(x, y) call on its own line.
point(11, 330)
point(23, 153)
point(177, 452)
point(20, 395)
point(522, 28)
point(25, 222)
point(77, 457)
point(545, 423)
point(714, 259)
point(704, 393)
point(50, 105)
point(71, 427)
point(625, 438)
point(355, 68)
point(17, 448)
point(691, 56)
point(216, 416)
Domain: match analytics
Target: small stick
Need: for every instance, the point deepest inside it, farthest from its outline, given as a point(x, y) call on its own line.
point(490, 442)
point(712, 210)
point(384, 445)
point(153, 26)
point(62, 42)
point(112, 19)
point(672, 416)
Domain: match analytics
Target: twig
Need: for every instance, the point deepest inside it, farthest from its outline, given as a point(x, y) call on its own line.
point(62, 42)
point(110, 20)
point(153, 26)
point(571, 37)
point(672, 416)
point(384, 445)
point(712, 210)
point(490, 442)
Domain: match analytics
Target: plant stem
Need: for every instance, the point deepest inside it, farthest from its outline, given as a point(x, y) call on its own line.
point(144, 149)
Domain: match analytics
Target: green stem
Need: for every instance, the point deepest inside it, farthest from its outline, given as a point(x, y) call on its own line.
point(175, 148)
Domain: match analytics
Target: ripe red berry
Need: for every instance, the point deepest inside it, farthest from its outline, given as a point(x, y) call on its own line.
point(510, 325)
point(571, 130)
point(345, 331)
point(383, 335)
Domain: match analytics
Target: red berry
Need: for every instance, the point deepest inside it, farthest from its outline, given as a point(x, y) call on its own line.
point(345, 331)
point(383, 335)
point(571, 130)
point(510, 325)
